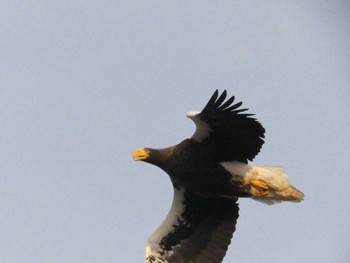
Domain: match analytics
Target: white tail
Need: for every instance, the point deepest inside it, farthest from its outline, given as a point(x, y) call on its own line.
point(268, 184)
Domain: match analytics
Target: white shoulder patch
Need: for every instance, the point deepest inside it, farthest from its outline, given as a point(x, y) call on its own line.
point(202, 128)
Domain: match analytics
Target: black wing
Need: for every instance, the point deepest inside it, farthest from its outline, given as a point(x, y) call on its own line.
point(203, 231)
point(227, 132)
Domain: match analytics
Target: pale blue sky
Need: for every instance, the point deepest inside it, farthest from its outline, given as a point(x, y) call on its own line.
point(84, 83)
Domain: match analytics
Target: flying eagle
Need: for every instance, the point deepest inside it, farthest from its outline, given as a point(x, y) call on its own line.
point(209, 172)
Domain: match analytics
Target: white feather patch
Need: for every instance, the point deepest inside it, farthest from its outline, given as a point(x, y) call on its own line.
point(237, 169)
point(168, 224)
point(274, 176)
point(202, 128)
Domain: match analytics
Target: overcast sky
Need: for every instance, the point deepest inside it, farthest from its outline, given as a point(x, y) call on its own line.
point(84, 83)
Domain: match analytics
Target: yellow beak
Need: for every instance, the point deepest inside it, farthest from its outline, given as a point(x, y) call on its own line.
point(140, 154)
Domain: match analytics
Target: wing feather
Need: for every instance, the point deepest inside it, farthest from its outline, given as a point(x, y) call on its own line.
point(197, 229)
point(212, 233)
point(227, 131)
point(220, 100)
point(212, 99)
point(227, 103)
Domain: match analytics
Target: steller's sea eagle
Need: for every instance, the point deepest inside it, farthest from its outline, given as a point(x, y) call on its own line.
point(209, 172)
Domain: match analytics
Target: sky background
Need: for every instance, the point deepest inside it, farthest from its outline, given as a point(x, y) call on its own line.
point(84, 83)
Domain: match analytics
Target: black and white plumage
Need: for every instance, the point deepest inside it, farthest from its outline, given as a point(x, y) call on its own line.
point(209, 172)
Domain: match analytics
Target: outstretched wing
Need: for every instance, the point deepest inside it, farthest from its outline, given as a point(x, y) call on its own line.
point(227, 132)
point(197, 229)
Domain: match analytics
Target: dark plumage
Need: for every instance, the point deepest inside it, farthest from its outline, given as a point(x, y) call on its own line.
point(209, 172)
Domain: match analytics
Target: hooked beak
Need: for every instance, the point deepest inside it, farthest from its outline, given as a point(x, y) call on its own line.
point(140, 154)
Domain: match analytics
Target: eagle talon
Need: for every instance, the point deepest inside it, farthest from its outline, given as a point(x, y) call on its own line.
point(262, 193)
point(260, 187)
point(259, 184)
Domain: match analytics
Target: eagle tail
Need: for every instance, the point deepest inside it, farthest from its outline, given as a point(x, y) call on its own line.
point(270, 184)
point(267, 184)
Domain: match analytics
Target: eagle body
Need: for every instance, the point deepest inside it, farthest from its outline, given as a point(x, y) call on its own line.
point(209, 172)
point(184, 165)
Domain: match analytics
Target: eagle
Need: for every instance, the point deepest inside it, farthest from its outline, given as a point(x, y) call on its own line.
point(209, 172)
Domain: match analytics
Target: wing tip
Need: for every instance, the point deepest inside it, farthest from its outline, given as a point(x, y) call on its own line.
point(218, 102)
